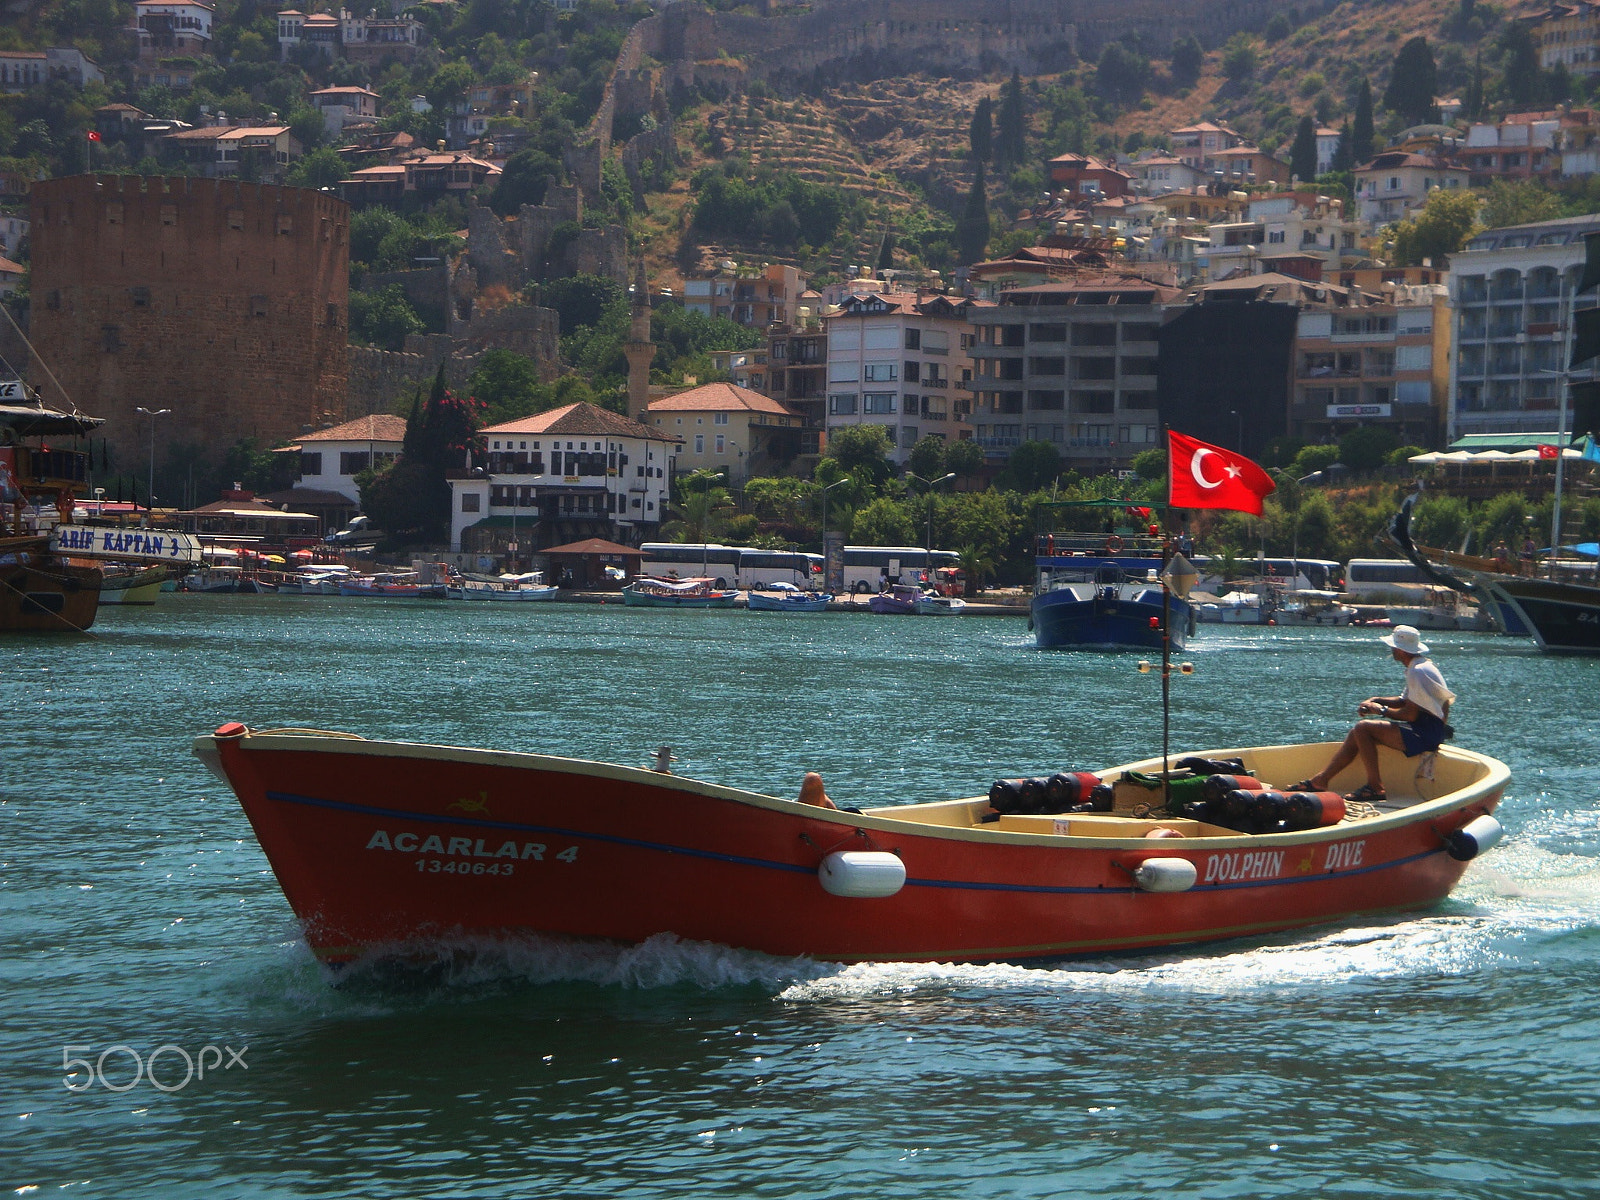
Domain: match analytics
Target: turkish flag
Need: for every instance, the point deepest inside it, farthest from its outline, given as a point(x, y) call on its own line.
point(1201, 475)
point(94, 135)
point(1549, 452)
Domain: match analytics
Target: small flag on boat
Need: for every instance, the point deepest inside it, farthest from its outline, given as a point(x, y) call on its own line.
point(1549, 452)
point(1591, 450)
point(1201, 475)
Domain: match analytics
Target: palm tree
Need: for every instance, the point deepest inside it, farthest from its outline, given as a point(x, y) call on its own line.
point(977, 564)
point(699, 515)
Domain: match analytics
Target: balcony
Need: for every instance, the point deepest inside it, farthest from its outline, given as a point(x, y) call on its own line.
point(936, 383)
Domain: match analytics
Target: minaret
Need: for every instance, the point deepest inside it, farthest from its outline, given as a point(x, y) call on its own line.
point(640, 349)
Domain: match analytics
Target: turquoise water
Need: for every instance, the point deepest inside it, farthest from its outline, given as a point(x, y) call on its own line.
point(1454, 1053)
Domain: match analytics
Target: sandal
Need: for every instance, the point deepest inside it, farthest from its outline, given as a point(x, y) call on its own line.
point(1367, 794)
point(1305, 785)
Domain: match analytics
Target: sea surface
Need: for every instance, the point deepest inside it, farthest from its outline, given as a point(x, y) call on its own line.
point(1454, 1053)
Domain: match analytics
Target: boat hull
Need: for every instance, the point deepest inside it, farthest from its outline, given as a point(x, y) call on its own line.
point(653, 600)
point(40, 593)
point(1062, 620)
point(757, 602)
point(1564, 617)
point(383, 846)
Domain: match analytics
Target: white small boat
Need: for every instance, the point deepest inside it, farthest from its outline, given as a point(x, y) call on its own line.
point(785, 597)
point(529, 585)
point(1310, 607)
point(930, 604)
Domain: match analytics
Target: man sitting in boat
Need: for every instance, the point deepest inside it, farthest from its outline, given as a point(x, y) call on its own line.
point(1412, 722)
point(812, 791)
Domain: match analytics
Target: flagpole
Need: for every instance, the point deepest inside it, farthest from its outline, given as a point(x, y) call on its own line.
point(1561, 458)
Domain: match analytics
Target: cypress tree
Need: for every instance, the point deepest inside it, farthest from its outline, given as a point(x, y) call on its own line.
point(1303, 154)
point(1343, 160)
point(1361, 132)
point(1012, 146)
point(1413, 80)
point(972, 230)
point(981, 135)
point(1472, 106)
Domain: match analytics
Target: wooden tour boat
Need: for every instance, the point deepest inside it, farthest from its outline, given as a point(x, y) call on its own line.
point(385, 847)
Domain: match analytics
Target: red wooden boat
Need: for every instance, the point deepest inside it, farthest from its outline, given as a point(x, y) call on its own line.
point(383, 845)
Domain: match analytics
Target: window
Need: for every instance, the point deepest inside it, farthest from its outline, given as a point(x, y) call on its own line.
point(1048, 333)
point(913, 339)
point(353, 462)
point(699, 443)
point(469, 501)
point(311, 463)
point(913, 372)
point(877, 402)
point(258, 306)
point(1047, 400)
point(842, 404)
point(719, 419)
point(843, 372)
point(141, 297)
point(285, 224)
point(881, 373)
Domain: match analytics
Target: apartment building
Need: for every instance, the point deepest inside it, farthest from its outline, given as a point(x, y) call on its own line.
point(1373, 359)
point(1512, 295)
point(900, 360)
point(1072, 364)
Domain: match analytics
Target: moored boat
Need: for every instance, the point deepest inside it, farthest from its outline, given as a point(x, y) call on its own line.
point(898, 600)
point(131, 585)
point(1311, 606)
point(785, 597)
point(931, 604)
point(389, 846)
point(649, 592)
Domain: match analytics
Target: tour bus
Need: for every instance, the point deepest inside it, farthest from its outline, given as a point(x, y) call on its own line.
point(686, 560)
point(1371, 579)
point(1296, 574)
point(870, 568)
point(760, 567)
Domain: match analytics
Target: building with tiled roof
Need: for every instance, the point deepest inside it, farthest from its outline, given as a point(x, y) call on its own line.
point(1394, 183)
point(10, 276)
point(223, 151)
point(331, 458)
point(901, 360)
point(728, 428)
point(560, 476)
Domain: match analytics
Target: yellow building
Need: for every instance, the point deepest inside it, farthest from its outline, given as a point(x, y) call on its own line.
point(727, 428)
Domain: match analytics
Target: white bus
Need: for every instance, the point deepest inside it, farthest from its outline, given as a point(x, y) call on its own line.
point(1296, 574)
point(1375, 579)
point(759, 567)
point(871, 568)
point(686, 560)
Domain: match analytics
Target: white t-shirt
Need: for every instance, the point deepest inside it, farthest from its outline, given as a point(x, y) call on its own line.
point(1426, 688)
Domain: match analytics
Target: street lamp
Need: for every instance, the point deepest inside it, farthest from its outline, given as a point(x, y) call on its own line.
point(931, 484)
point(150, 492)
point(827, 579)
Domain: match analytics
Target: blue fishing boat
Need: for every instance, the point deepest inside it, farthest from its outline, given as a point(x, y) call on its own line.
point(646, 592)
point(1103, 589)
point(785, 597)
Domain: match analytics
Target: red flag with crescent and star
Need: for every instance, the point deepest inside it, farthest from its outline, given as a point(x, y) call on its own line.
point(1201, 475)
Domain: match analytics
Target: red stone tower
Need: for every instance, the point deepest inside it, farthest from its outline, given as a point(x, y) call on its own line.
point(225, 302)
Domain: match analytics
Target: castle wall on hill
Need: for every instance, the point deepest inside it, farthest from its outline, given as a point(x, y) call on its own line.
point(880, 37)
point(223, 301)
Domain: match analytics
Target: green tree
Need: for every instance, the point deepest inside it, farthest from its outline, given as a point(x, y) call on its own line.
point(1121, 74)
point(1032, 466)
point(1441, 521)
point(524, 179)
point(1312, 459)
point(1518, 202)
point(972, 228)
point(1239, 58)
point(1367, 447)
point(1187, 58)
point(1438, 229)
point(1303, 154)
point(980, 137)
point(1011, 141)
point(449, 84)
point(1361, 128)
point(884, 522)
point(321, 168)
point(964, 457)
point(1472, 102)
point(1413, 83)
point(383, 318)
point(699, 516)
point(580, 299)
point(861, 452)
point(1150, 464)
point(927, 456)
point(507, 384)
point(1520, 76)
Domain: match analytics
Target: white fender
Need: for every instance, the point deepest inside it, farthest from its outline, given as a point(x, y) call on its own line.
point(1473, 838)
point(1165, 875)
point(862, 874)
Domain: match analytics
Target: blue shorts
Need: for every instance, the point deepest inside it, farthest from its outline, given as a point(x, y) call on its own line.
point(1422, 735)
